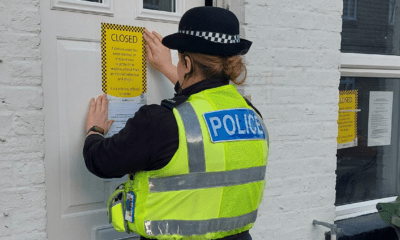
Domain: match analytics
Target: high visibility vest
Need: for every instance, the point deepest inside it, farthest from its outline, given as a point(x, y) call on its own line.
point(214, 183)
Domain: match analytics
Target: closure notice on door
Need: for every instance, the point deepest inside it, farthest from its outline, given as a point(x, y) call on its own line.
point(123, 60)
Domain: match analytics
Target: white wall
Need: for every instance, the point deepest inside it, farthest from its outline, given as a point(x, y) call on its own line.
point(293, 80)
point(22, 189)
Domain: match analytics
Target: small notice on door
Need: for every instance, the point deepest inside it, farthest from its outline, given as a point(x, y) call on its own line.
point(123, 60)
point(380, 118)
point(120, 112)
point(347, 122)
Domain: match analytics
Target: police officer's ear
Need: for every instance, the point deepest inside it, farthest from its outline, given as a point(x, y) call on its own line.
point(188, 64)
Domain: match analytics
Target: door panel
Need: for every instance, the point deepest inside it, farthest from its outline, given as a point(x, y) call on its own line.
point(79, 187)
point(71, 56)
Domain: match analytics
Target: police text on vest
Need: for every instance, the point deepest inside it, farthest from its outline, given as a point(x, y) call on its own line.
point(234, 125)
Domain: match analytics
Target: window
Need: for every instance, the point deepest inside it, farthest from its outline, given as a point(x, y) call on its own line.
point(102, 7)
point(160, 5)
point(160, 10)
point(369, 172)
point(376, 30)
point(98, 1)
point(350, 9)
point(392, 12)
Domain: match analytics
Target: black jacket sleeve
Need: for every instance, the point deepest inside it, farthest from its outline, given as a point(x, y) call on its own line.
point(148, 142)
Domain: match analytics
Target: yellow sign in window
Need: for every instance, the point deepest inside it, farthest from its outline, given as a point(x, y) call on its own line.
point(347, 122)
point(123, 60)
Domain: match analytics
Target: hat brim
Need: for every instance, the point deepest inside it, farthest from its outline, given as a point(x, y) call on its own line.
point(188, 43)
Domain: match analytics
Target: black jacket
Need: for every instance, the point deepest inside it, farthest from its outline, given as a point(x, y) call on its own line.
point(148, 141)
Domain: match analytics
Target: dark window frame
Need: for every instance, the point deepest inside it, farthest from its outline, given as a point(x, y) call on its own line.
point(348, 16)
point(154, 6)
point(96, 1)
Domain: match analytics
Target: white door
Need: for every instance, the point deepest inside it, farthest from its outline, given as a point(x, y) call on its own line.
point(76, 199)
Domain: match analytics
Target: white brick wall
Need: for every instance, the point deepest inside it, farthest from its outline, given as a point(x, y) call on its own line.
point(293, 79)
point(22, 176)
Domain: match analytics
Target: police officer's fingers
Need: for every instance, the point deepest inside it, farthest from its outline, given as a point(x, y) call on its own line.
point(151, 44)
point(158, 36)
point(149, 53)
point(92, 105)
point(146, 36)
point(98, 103)
point(146, 31)
point(109, 123)
point(104, 105)
point(108, 126)
point(150, 37)
point(89, 117)
point(151, 48)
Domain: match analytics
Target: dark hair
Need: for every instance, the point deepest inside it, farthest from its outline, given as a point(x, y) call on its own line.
point(228, 67)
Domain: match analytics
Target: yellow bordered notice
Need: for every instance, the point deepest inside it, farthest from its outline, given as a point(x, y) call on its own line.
point(347, 122)
point(123, 60)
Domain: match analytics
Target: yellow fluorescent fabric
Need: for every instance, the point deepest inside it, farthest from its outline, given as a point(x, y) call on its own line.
point(118, 217)
point(234, 200)
point(240, 204)
point(175, 167)
point(181, 205)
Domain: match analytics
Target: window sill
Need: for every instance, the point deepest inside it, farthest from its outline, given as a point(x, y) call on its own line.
point(365, 227)
point(358, 209)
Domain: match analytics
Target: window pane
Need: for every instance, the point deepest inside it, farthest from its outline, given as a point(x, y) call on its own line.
point(351, 6)
point(371, 26)
point(160, 5)
point(345, 8)
point(98, 1)
point(366, 173)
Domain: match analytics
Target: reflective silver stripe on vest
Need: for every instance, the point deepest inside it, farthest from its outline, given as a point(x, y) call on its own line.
point(194, 138)
point(188, 228)
point(207, 180)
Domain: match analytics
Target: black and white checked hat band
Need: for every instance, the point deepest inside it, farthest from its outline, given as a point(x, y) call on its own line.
point(213, 37)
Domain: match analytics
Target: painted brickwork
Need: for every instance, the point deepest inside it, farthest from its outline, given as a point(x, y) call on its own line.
point(293, 80)
point(22, 176)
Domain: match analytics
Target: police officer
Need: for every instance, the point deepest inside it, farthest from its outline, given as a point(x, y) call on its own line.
point(197, 161)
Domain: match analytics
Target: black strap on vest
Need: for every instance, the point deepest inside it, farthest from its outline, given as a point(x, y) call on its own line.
point(251, 105)
point(176, 101)
point(173, 102)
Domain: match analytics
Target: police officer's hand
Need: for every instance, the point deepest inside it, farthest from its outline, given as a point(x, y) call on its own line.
point(159, 56)
point(98, 114)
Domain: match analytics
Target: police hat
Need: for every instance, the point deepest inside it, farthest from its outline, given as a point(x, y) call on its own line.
point(208, 30)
